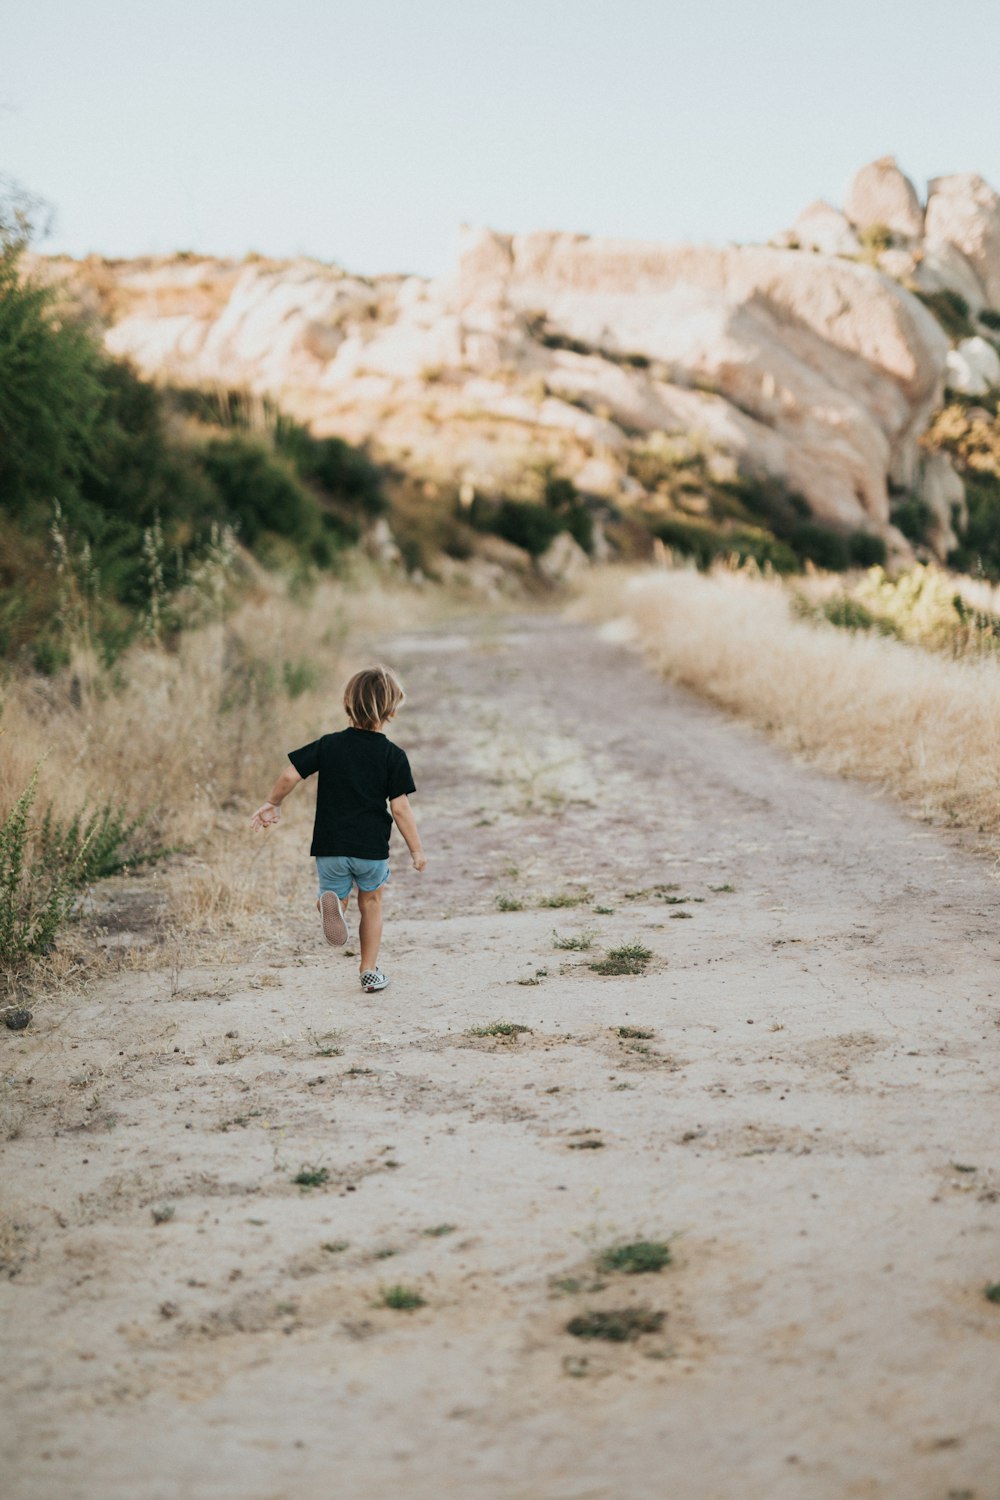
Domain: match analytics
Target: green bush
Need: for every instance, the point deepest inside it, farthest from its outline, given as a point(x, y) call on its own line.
point(50, 392)
point(867, 551)
point(913, 517)
point(989, 317)
point(818, 544)
point(525, 524)
point(44, 863)
point(980, 546)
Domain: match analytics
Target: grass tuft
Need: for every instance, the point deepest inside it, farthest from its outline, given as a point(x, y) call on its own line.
point(636, 1258)
point(564, 898)
point(401, 1298)
point(506, 902)
point(310, 1177)
point(509, 1029)
point(577, 942)
point(630, 958)
point(622, 1325)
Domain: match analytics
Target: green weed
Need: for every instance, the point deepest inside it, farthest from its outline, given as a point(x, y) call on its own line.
point(636, 1258)
point(506, 902)
point(310, 1177)
point(630, 958)
point(401, 1298)
point(438, 1230)
point(634, 1034)
point(621, 1325)
point(577, 942)
point(508, 1029)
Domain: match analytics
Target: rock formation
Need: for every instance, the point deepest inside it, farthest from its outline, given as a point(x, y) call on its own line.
point(798, 360)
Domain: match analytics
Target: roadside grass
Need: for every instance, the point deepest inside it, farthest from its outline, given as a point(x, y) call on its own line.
point(630, 958)
point(916, 721)
point(171, 748)
point(634, 1033)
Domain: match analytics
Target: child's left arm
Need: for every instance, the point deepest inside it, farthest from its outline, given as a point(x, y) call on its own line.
point(270, 811)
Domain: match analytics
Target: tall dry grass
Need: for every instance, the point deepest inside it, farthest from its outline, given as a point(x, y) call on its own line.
point(194, 736)
point(922, 725)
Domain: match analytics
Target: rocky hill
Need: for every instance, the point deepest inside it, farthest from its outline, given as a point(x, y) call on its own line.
point(815, 362)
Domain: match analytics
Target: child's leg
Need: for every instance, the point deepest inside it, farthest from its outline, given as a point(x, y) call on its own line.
point(370, 929)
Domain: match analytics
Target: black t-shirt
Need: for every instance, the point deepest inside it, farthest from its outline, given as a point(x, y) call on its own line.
point(359, 771)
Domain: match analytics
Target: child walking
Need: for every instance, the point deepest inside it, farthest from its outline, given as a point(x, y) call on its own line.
point(360, 771)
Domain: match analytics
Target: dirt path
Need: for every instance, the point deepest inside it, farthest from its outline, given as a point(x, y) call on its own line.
point(812, 1126)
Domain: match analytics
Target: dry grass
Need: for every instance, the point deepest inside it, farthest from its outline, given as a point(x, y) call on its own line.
point(916, 722)
point(196, 735)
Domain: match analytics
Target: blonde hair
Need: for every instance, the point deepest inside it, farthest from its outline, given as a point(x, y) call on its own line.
point(371, 696)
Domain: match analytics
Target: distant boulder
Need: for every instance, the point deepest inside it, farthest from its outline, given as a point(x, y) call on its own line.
point(882, 195)
point(963, 216)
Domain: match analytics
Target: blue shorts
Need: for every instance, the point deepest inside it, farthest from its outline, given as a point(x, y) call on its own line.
point(340, 872)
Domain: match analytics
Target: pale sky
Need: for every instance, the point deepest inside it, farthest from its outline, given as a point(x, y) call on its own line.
point(366, 131)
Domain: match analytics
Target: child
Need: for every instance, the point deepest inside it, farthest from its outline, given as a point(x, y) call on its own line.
point(359, 772)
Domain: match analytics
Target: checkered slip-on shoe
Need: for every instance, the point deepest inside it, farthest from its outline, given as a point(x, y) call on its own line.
point(372, 980)
point(334, 926)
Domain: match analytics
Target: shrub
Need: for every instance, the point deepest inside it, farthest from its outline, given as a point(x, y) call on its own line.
point(913, 517)
point(867, 551)
point(989, 317)
point(525, 524)
point(818, 544)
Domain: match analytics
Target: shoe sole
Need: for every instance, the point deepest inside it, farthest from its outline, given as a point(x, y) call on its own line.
point(334, 926)
point(375, 989)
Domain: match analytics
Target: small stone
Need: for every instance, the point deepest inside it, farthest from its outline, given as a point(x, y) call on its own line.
point(17, 1020)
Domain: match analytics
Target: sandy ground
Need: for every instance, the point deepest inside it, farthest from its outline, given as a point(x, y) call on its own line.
point(812, 1127)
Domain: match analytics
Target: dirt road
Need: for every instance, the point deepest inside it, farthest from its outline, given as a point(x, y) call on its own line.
point(808, 1120)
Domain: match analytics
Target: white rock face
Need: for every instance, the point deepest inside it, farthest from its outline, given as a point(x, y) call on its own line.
point(826, 369)
point(880, 194)
point(963, 213)
point(809, 367)
point(973, 367)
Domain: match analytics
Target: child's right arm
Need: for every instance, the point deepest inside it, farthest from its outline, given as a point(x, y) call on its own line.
point(402, 816)
point(270, 811)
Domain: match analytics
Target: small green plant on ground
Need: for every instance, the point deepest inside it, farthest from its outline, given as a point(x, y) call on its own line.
point(385, 1253)
point(508, 1029)
point(334, 1247)
point(635, 1033)
point(163, 1213)
point(604, 911)
point(992, 1292)
point(310, 1177)
point(621, 1325)
point(720, 889)
point(535, 978)
point(401, 1298)
point(636, 1258)
point(565, 898)
point(630, 958)
point(506, 902)
point(589, 1143)
point(577, 942)
point(438, 1230)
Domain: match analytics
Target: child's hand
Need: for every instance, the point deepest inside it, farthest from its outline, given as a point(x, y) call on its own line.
point(265, 815)
point(420, 861)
